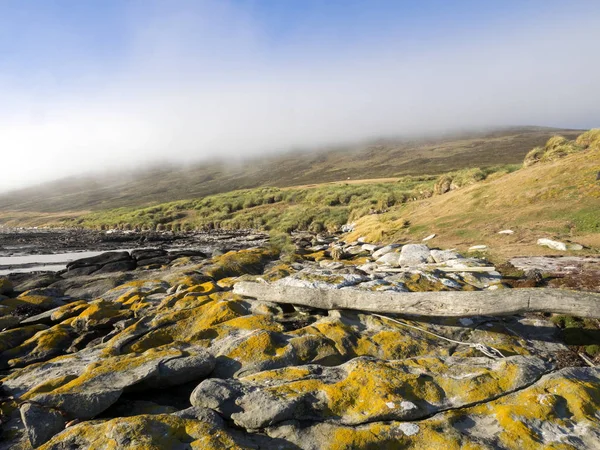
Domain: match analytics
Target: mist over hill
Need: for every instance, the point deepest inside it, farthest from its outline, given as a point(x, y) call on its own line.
point(379, 159)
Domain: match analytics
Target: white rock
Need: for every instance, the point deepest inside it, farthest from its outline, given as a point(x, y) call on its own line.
point(506, 232)
point(407, 406)
point(574, 246)
point(332, 265)
point(368, 267)
point(430, 237)
point(370, 247)
point(353, 250)
point(384, 250)
point(477, 247)
point(554, 245)
point(390, 405)
point(409, 429)
point(414, 254)
point(348, 227)
point(440, 256)
point(389, 259)
point(465, 322)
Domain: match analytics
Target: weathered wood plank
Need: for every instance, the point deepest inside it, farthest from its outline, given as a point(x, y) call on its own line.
point(433, 304)
point(441, 269)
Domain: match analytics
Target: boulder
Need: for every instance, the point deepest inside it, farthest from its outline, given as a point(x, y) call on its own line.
point(554, 245)
point(101, 384)
point(389, 259)
point(365, 390)
point(370, 247)
point(414, 254)
point(118, 266)
point(41, 423)
point(557, 411)
point(384, 250)
point(100, 260)
point(156, 261)
point(6, 286)
point(147, 253)
point(80, 271)
point(441, 256)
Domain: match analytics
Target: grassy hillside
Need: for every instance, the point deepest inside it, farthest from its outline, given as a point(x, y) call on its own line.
point(556, 196)
point(323, 207)
point(376, 160)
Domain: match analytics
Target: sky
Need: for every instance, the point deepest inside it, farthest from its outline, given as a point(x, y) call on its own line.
point(110, 85)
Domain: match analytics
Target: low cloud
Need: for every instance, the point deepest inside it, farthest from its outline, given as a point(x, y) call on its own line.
point(203, 82)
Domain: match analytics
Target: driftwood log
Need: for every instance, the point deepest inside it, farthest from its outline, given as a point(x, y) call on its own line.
point(432, 304)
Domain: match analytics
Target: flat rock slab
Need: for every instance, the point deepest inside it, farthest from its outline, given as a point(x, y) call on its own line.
point(557, 264)
point(366, 389)
point(560, 410)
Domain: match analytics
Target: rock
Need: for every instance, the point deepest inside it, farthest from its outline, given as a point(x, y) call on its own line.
point(6, 286)
point(119, 266)
point(41, 423)
point(89, 287)
point(575, 247)
point(506, 232)
point(370, 247)
point(148, 253)
point(482, 280)
point(368, 267)
point(361, 390)
point(430, 237)
point(80, 271)
point(162, 431)
point(26, 281)
point(441, 256)
point(556, 411)
point(389, 259)
point(100, 260)
point(100, 385)
point(348, 228)
point(384, 250)
point(414, 254)
point(45, 291)
point(187, 253)
point(354, 250)
point(331, 265)
point(15, 337)
point(478, 248)
point(8, 321)
point(45, 317)
point(156, 261)
point(554, 245)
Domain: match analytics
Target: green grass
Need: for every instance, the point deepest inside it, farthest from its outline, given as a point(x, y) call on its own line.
point(320, 208)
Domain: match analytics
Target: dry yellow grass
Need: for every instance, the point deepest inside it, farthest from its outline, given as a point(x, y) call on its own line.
point(560, 199)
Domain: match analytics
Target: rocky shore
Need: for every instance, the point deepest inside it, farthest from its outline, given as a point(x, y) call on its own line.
point(153, 349)
point(32, 241)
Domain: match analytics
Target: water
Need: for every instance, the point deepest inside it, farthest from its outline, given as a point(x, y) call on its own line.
point(32, 263)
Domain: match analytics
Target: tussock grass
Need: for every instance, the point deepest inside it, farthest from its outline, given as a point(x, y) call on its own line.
point(319, 208)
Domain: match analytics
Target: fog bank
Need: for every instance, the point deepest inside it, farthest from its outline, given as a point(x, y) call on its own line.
point(202, 81)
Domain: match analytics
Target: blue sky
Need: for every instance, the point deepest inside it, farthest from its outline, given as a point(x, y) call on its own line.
point(104, 84)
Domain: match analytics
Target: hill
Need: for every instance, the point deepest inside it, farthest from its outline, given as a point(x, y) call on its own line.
point(391, 158)
point(556, 195)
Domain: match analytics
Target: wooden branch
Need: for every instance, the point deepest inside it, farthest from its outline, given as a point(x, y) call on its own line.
point(432, 304)
point(441, 269)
